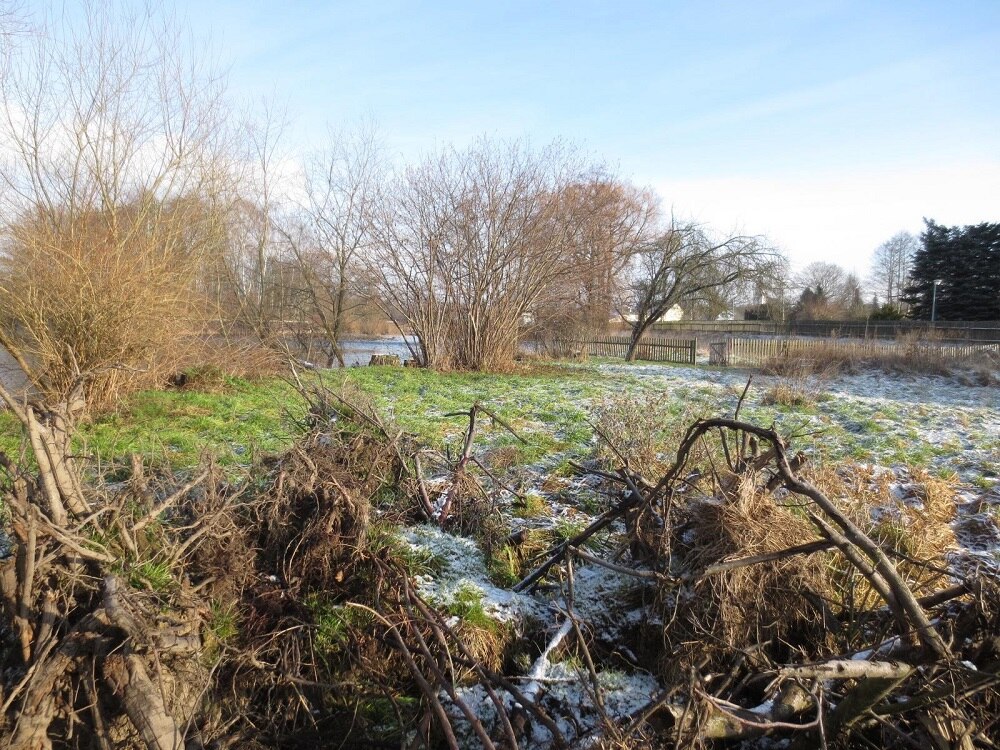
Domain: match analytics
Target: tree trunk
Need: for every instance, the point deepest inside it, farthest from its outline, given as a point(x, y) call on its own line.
point(638, 331)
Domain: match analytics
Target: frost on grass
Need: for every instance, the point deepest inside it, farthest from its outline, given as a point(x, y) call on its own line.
point(917, 466)
point(606, 602)
point(460, 567)
point(609, 602)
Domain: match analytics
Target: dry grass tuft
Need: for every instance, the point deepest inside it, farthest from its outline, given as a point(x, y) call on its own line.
point(913, 354)
point(910, 518)
point(787, 393)
point(206, 363)
point(502, 457)
point(710, 618)
point(641, 433)
point(824, 360)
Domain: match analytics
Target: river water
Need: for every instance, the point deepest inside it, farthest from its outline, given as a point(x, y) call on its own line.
point(11, 376)
point(359, 351)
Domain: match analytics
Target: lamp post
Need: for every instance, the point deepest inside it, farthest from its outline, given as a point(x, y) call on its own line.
point(934, 300)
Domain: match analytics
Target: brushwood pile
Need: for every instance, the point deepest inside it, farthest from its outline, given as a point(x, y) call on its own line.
point(362, 589)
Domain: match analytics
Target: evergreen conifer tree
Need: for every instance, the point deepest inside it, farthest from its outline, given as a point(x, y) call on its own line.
point(966, 260)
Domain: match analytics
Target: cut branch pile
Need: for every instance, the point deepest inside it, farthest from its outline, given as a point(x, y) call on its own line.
point(86, 654)
point(288, 611)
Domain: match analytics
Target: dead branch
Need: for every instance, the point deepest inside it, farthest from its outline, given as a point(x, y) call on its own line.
point(630, 501)
point(848, 669)
point(143, 701)
point(743, 562)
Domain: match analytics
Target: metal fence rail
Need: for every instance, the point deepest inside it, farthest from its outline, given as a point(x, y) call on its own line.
point(682, 351)
point(941, 331)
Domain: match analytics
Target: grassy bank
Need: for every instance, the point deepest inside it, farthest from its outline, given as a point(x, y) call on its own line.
point(233, 422)
point(554, 408)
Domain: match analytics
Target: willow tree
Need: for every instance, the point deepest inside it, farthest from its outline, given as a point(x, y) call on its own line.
point(110, 137)
point(606, 220)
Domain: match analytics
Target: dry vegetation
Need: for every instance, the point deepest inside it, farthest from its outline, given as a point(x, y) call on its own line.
point(918, 354)
point(286, 609)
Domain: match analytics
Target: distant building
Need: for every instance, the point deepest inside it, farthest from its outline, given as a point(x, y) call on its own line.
point(674, 314)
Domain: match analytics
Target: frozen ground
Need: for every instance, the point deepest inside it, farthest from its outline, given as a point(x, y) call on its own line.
point(935, 422)
point(886, 423)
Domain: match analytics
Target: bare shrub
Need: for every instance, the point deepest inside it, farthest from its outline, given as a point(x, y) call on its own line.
point(920, 353)
point(473, 248)
point(560, 333)
point(328, 233)
point(207, 363)
point(97, 297)
point(609, 219)
point(640, 433)
point(105, 213)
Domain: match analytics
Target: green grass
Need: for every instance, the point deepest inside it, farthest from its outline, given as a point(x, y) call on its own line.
point(468, 606)
point(504, 566)
point(155, 576)
point(552, 408)
point(223, 622)
point(546, 409)
point(385, 542)
point(566, 528)
point(336, 624)
point(532, 506)
point(179, 427)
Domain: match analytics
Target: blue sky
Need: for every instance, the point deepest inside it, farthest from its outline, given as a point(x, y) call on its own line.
point(827, 125)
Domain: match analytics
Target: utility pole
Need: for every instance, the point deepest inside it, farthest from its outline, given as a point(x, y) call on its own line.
point(934, 300)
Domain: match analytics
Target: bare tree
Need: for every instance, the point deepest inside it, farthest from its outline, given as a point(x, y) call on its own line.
point(828, 292)
point(822, 275)
point(685, 264)
point(890, 272)
point(111, 139)
point(255, 293)
point(606, 221)
point(332, 229)
point(405, 267)
point(468, 243)
point(11, 25)
point(852, 297)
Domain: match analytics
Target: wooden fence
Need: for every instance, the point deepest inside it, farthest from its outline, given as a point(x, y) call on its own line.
point(651, 350)
point(753, 352)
